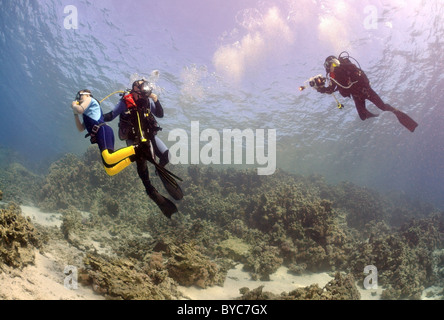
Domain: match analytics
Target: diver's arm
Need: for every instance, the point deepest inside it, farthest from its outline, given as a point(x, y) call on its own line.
point(118, 109)
point(80, 126)
point(329, 90)
point(79, 108)
point(156, 108)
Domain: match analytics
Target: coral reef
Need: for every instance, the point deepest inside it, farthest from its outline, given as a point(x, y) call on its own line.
point(342, 287)
point(124, 279)
point(84, 184)
point(368, 208)
point(19, 184)
point(227, 217)
point(406, 258)
point(155, 277)
point(189, 267)
point(262, 262)
point(235, 249)
point(18, 238)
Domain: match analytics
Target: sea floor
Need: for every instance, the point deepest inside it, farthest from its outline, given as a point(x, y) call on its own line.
point(280, 281)
point(45, 279)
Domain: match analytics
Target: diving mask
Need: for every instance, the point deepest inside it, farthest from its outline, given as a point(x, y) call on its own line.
point(331, 61)
point(146, 88)
point(80, 94)
point(143, 86)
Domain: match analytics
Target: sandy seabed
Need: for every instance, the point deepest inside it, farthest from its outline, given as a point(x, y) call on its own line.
point(45, 280)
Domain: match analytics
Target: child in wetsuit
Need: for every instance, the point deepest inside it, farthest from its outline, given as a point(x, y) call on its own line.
point(102, 134)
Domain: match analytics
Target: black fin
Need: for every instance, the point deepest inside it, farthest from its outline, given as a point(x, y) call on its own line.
point(168, 180)
point(169, 183)
point(168, 208)
point(165, 205)
point(406, 121)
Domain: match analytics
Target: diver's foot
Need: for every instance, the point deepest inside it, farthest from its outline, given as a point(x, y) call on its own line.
point(390, 108)
point(163, 163)
point(369, 115)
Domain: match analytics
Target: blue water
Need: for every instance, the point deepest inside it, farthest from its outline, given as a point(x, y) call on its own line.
point(236, 64)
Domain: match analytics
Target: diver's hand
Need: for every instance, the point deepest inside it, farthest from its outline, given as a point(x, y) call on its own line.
point(74, 106)
point(77, 108)
point(154, 97)
point(321, 89)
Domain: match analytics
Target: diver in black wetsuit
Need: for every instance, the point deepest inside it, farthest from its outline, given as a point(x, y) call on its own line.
point(136, 111)
point(350, 80)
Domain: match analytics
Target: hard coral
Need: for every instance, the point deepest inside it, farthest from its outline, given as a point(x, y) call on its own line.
point(123, 279)
point(18, 238)
point(189, 267)
point(342, 287)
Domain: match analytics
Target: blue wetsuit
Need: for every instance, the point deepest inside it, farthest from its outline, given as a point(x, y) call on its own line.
point(93, 116)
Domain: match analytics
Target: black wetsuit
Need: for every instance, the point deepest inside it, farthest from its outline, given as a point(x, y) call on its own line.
point(137, 124)
point(129, 131)
point(349, 80)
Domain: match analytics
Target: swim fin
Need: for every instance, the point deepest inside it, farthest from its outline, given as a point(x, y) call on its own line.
point(167, 177)
point(165, 205)
point(405, 120)
point(169, 183)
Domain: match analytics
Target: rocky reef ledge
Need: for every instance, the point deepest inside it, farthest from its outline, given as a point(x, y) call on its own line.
point(123, 248)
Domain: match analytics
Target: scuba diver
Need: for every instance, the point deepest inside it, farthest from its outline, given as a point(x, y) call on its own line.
point(136, 111)
point(114, 161)
point(350, 80)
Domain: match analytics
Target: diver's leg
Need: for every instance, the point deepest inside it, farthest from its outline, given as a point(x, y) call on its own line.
point(142, 171)
point(377, 101)
point(168, 182)
point(113, 157)
point(115, 169)
point(161, 151)
point(165, 205)
point(403, 118)
point(360, 107)
point(105, 139)
point(114, 162)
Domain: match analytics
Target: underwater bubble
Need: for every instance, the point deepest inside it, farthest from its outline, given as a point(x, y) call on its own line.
point(192, 76)
point(250, 19)
point(154, 76)
point(133, 77)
